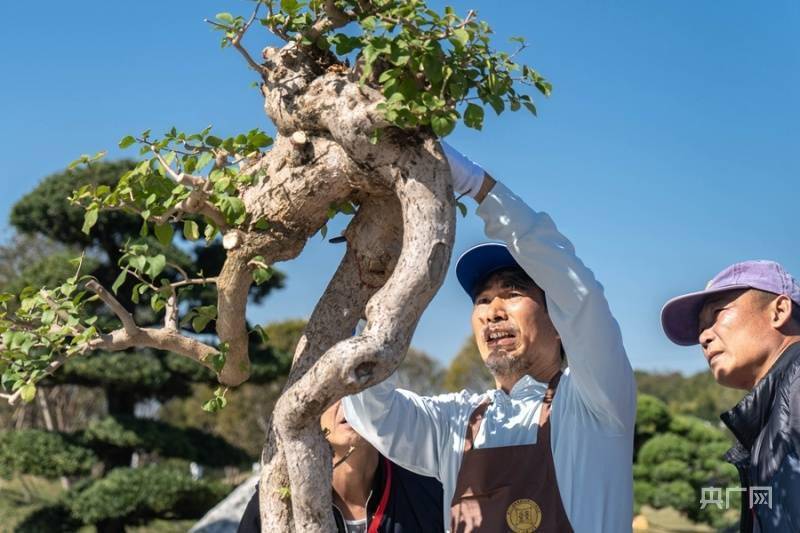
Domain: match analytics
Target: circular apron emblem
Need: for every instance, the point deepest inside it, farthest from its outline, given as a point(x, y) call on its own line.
point(524, 516)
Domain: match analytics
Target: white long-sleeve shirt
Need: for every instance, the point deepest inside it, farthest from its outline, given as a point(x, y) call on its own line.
point(594, 409)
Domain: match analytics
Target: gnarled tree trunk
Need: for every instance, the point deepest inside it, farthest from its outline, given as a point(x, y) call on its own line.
point(398, 248)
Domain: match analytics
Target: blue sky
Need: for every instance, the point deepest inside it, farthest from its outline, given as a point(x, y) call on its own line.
point(667, 151)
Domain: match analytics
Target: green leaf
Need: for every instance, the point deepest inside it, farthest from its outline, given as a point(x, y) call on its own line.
point(205, 314)
point(473, 116)
point(156, 265)
point(28, 392)
point(442, 125)
point(217, 362)
point(90, 219)
point(260, 140)
point(262, 334)
point(191, 230)
point(461, 36)
point(261, 274)
point(225, 17)
point(213, 141)
point(119, 281)
point(164, 233)
point(212, 406)
point(462, 208)
point(205, 159)
point(126, 141)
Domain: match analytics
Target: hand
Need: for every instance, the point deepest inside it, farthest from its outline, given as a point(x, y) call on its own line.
point(468, 177)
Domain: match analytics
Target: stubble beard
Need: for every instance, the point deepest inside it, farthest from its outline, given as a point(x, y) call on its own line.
point(505, 365)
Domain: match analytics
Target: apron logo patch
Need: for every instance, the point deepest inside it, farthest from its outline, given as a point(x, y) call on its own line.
point(524, 516)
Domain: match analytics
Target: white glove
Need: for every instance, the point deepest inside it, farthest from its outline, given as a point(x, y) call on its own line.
point(467, 175)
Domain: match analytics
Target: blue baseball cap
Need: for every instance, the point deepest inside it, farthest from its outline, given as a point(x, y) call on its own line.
point(480, 261)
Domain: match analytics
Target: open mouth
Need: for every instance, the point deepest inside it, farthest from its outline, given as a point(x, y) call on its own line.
point(500, 337)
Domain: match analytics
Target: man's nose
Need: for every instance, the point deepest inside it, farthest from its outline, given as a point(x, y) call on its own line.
point(705, 337)
point(496, 310)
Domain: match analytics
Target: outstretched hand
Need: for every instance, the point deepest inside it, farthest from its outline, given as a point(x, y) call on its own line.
point(468, 177)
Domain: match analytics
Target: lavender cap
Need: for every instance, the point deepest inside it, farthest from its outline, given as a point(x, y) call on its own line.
point(680, 316)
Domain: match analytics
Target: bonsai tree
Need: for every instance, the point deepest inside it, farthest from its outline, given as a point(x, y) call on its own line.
point(359, 91)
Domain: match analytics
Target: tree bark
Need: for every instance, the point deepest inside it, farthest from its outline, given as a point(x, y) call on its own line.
point(399, 246)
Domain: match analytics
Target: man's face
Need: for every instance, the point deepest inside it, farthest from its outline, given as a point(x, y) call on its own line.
point(512, 329)
point(339, 433)
point(734, 330)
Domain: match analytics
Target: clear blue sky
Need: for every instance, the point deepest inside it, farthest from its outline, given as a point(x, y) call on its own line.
point(668, 149)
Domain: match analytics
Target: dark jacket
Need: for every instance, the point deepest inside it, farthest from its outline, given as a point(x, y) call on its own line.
point(766, 424)
point(413, 503)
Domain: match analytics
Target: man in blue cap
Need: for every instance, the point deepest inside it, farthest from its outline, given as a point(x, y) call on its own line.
point(747, 322)
point(550, 449)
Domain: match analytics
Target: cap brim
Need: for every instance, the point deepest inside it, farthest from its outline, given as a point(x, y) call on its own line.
point(480, 261)
point(680, 317)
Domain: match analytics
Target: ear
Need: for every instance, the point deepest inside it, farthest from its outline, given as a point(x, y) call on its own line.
point(781, 311)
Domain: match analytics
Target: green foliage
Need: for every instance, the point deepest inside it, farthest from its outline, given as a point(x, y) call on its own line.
point(39, 326)
point(284, 336)
point(46, 211)
point(467, 370)
point(433, 68)
point(677, 494)
point(652, 415)
point(663, 447)
point(42, 453)
point(192, 444)
point(141, 494)
point(697, 395)
point(676, 457)
point(125, 373)
point(669, 470)
point(153, 189)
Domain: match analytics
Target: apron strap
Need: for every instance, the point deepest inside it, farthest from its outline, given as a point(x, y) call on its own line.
point(547, 404)
point(477, 415)
point(474, 424)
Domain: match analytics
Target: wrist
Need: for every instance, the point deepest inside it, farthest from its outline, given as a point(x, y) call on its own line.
point(486, 186)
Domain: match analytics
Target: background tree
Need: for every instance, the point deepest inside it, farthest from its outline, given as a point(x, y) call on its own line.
point(358, 113)
point(113, 384)
point(467, 370)
point(675, 457)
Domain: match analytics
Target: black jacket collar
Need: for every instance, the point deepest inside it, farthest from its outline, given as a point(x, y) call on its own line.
point(749, 416)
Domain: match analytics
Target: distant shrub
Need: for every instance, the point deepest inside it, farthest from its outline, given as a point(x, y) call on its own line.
point(678, 494)
point(43, 453)
point(670, 470)
point(165, 439)
point(142, 494)
point(663, 447)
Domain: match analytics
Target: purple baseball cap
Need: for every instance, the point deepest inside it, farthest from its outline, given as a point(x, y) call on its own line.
point(680, 316)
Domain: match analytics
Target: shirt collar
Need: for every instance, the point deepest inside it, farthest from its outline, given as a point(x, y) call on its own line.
point(524, 389)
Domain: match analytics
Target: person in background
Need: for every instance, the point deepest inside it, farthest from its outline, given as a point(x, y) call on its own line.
point(747, 322)
point(370, 493)
point(550, 449)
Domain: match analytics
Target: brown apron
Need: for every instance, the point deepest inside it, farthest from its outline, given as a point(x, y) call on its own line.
point(510, 488)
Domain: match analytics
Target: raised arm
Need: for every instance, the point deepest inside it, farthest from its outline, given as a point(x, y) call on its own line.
point(575, 302)
point(407, 428)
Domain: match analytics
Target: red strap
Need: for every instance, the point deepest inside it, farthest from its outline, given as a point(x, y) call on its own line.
point(387, 487)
